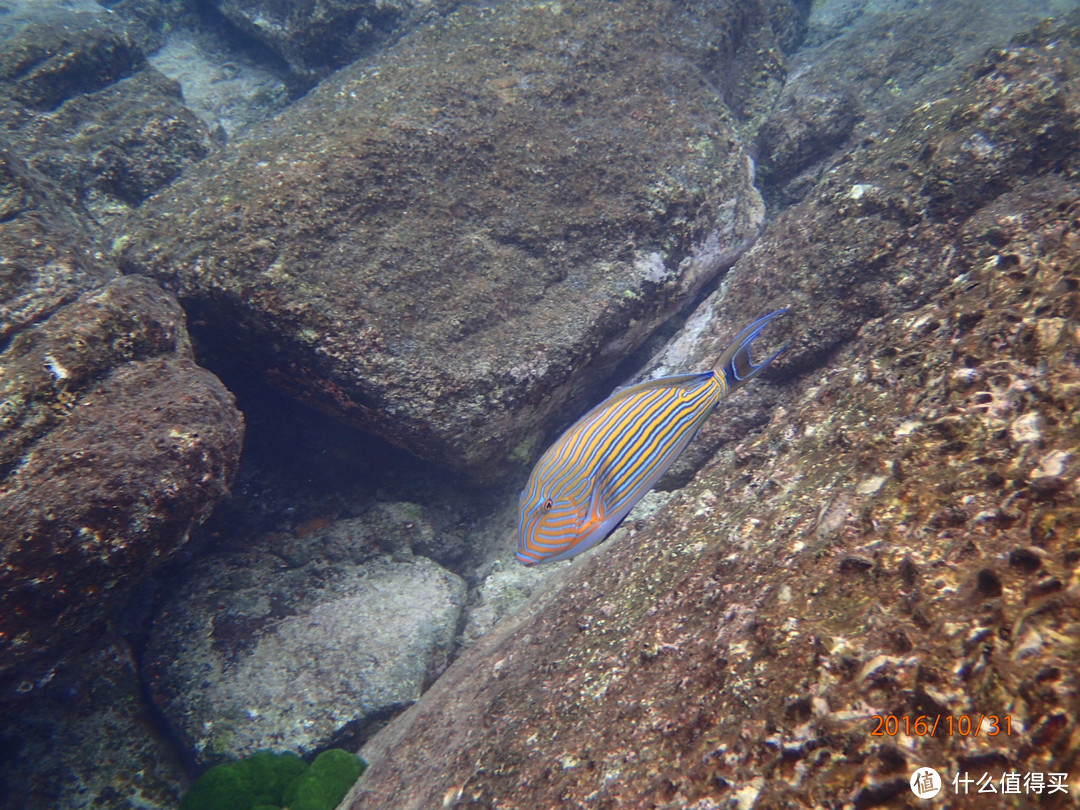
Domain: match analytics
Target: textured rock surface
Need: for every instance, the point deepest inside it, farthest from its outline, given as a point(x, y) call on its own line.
point(902, 538)
point(885, 228)
point(58, 53)
point(91, 743)
point(80, 104)
point(871, 62)
point(314, 37)
point(48, 260)
point(257, 651)
point(447, 249)
point(114, 445)
point(149, 139)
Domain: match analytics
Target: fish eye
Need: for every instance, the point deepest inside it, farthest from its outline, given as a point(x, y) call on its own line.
point(548, 505)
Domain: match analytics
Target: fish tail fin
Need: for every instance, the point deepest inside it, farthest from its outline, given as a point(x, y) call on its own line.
point(735, 364)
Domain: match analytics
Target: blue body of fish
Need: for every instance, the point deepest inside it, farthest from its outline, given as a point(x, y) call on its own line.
point(594, 474)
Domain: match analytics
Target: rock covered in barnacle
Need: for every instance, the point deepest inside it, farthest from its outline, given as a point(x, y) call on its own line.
point(768, 633)
point(314, 37)
point(82, 106)
point(113, 443)
point(882, 232)
point(900, 540)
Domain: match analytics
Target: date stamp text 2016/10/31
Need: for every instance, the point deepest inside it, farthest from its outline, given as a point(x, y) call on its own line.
point(932, 725)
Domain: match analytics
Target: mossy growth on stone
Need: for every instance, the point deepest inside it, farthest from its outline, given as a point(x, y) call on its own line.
point(269, 781)
point(326, 782)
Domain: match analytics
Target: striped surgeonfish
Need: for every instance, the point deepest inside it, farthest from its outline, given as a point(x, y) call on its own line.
point(588, 480)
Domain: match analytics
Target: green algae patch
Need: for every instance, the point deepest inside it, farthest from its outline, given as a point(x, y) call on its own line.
point(269, 781)
point(326, 782)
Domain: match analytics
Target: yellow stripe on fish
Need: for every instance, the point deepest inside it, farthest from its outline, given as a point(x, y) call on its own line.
point(594, 474)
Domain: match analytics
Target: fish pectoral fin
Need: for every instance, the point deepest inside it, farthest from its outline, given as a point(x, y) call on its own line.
point(598, 508)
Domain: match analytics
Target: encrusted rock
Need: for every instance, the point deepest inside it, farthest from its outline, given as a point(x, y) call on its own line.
point(58, 53)
point(453, 249)
point(878, 235)
point(683, 662)
point(809, 121)
point(114, 445)
point(80, 104)
point(891, 57)
point(91, 741)
point(48, 260)
point(315, 37)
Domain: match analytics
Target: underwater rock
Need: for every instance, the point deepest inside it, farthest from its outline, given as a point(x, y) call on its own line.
point(399, 529)
point(879, 233)
point(89, 741)
point(807, 123)
point(49, 260)
point(52, 54)
point(315, 37)
point(720, 656)
point(147, 23)
point(891, 57)
point(501, 592)
point(251, 652)
point(79, 103)
point(725, 641)
point(151, 137)
point(114, 445)
point(451, 249)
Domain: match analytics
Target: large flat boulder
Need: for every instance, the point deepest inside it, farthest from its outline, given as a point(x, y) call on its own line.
point(452, 248)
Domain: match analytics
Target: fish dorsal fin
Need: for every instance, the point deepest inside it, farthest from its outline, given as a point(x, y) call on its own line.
point(630, 390)
point(660, 382)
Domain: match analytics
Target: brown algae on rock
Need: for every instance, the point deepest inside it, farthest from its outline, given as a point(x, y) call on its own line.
point(453, 248)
